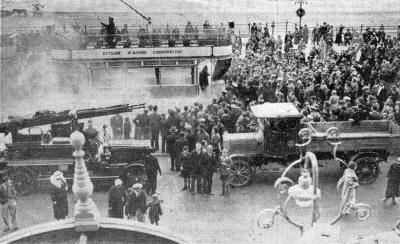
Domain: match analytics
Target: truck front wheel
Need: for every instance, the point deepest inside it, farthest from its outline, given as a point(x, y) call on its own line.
point(367, 170)
point(240, 173)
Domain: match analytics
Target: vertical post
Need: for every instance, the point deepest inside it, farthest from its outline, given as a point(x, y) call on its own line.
point(301, 4)
point(192, 74)
point(361, 28)
point(249, 28)
point(196, 77)
point(286, 27)
point(1, 100)
point(158, 75)
point(89, 76)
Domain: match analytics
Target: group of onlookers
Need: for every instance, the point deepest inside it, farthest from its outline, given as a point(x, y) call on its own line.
point(133, 203)
point(360, 82)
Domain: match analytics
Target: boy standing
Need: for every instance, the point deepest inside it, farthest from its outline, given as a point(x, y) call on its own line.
point(155, 210)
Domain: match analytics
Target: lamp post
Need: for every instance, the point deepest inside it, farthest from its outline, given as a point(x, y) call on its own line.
point(300, 12)
point(306, 193)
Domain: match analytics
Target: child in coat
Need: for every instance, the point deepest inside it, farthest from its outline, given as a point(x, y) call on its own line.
point(155, 209)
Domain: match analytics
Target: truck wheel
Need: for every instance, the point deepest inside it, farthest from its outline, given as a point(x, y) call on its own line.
point(367, 170)
point(23, 180)
point(240, 173)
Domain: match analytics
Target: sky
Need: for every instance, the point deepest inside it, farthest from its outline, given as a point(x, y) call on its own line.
point(213, 5)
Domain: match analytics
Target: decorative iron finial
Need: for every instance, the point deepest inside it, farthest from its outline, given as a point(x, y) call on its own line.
point(86, 213)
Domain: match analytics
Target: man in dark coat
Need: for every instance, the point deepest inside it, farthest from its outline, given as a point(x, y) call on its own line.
point(136, 206)
point(180, 143)
point(210, 166)
point(185, 167)
point(381, 93)
point(227, 121)
point(127, 129)
point(110, 30)
point(171, 146)
point(152, 167)
point(191, 138)
point(196, 172)
point(221, 129)
point(116, 123)
point(142, 125)
point(164, 131)
point(155, 126)
point(203, 78)
point(116, 200)
point(92, 140)
point(392, 188)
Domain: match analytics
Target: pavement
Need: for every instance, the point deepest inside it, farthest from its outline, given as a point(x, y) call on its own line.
point(219, 219)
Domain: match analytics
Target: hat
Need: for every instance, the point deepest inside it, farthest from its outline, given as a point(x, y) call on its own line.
point(202, 120)
point(235, 84)
point(173, 129)
point(224, 91)
point(137, 185)
point(118, 182)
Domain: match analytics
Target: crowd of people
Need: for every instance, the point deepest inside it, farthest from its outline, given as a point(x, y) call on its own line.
point(358, 83)
point(150, 36)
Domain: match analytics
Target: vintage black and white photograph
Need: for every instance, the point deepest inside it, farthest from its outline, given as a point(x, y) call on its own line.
point(200, 121)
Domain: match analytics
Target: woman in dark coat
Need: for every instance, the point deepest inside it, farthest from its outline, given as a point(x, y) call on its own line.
point(203, 78)
point(392, 188)
point(59, 195)
point(116, 200)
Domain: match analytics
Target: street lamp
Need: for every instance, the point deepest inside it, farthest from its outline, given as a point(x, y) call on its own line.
point(300, 12)
point(306, 193)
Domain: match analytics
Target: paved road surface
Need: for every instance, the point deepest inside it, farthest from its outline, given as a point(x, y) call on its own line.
point(216, 219)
